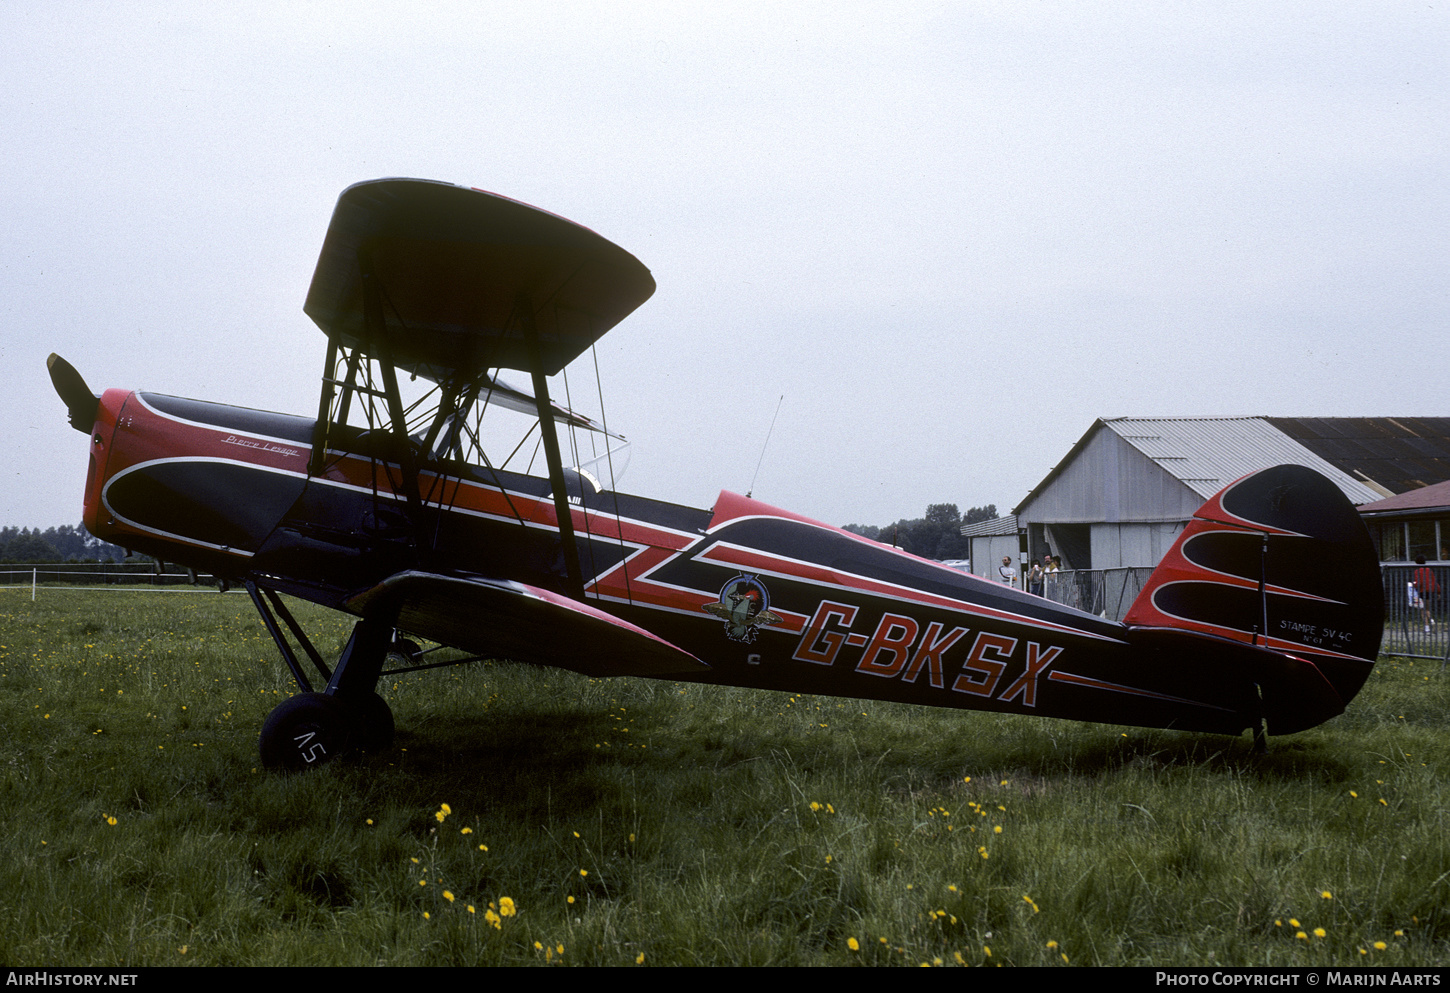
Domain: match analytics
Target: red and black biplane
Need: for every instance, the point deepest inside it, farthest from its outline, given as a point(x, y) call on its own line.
point(1265, 616)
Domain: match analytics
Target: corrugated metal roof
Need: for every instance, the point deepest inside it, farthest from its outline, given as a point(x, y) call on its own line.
point(1208, 453)
point(1398, 453)
point(994, 527)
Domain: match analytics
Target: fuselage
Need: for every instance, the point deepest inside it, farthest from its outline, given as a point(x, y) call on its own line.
point(764, 597)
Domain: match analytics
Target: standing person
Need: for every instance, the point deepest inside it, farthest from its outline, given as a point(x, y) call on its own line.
point(1422, 589)
point(1005, 572)
point(1034, 580)
point(1051, 566)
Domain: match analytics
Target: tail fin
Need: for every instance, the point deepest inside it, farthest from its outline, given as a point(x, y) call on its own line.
point(1280, 560)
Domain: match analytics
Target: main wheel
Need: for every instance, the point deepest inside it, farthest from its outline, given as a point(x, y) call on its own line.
point(305, 730)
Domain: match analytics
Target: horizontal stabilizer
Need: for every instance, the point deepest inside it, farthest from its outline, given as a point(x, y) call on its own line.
point(521, 622)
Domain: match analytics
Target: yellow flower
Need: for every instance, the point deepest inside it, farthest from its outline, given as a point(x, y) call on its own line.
point(1326, 894)
point(815, 807)
point(506, 906)
point(853, 944)
point(987, 950)
point(1293, 922)
point(1301, 936)
point(448, 896)
point(467, 830)
point(1380, 946)
point(1052, 944)
point(570, 899)
point(1319, 932)
point(492, 918)
point(997, 829)
point(110, 820)
point(583, 872)
point(639, 959)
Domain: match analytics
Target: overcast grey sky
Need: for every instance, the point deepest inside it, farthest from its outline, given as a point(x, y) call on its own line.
point(949, 234)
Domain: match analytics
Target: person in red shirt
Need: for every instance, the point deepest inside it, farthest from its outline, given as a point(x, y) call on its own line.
point(1425, 586)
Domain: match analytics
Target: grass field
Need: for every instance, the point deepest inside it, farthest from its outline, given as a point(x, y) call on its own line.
point(531, 816)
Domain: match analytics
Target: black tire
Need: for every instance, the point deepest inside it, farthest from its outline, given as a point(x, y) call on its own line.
point(403, 652)
point(372, 721)
point(305, 731)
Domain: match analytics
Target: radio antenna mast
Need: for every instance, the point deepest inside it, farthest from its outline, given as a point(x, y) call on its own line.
point(763, 447)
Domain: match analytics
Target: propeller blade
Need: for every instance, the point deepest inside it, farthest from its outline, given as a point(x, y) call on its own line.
point(79, 400)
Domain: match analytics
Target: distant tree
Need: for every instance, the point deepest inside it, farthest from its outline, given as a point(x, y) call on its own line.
point(977, 514)
point(57, 544)
point(30, 546)
point(936, 535)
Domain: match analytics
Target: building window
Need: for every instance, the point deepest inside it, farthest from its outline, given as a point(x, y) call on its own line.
point(1404, 541)
point(1422, 540)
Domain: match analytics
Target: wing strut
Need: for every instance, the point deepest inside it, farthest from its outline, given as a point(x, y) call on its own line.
point(551, 449)
point(376, 330)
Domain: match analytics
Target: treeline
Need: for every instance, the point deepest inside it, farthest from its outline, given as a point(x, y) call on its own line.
point(62, 544)
point(935, 536)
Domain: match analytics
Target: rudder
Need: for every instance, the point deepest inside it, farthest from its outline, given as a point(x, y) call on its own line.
point(1280, 560)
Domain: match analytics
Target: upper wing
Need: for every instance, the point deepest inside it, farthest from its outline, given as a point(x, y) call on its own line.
point(455, 266)
point(522, 622)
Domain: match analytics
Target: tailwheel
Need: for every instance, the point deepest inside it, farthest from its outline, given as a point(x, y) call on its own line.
point(307, 730)
point(372, 721)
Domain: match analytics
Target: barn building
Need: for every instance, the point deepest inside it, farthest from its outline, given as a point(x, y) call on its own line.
point(1130, 484)
point(1120, 497)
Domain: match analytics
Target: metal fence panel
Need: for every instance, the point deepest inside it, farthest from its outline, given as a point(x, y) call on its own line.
point(1105, 592)
point(1416, 629)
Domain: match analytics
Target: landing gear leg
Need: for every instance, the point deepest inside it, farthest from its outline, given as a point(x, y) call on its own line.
point(311, 728)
